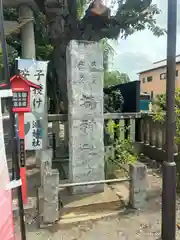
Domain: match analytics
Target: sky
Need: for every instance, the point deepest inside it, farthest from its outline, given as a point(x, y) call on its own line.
point(140, 50)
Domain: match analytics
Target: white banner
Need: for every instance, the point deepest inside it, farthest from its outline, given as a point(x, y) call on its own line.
point(36, 121)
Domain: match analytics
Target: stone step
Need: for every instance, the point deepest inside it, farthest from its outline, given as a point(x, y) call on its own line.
point(71, 219)
point(81, 205)
point(94, 207)
point(97, 202)
point(77, 208)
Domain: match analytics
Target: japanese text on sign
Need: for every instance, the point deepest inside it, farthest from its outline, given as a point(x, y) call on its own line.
point(24, 73)
point(37, 94)
point(36, 133)
point(36, 72)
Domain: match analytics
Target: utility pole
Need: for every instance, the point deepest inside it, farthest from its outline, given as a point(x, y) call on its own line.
point(169, 166)
point(15, 159)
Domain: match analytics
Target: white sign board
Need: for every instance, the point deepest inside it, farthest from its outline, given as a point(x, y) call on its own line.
point(35, 129)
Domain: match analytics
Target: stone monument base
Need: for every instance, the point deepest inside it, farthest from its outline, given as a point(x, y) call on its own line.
point(87, 189)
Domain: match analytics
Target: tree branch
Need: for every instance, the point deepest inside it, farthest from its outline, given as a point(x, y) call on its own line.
point(131, 10)
point(95, 24)
point(73, 18)
point(133, 15)
point(41, 5)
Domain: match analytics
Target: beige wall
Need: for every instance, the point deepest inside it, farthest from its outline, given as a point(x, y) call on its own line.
point(157, 85)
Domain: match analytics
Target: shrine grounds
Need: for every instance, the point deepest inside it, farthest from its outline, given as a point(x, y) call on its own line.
point(132, 226)
point(127, 225)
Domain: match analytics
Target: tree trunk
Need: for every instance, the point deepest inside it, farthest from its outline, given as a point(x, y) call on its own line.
point(58, 21)
point(59, 62)
point(63, 27)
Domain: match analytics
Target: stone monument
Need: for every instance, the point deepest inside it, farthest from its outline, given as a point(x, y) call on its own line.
point(85, 97)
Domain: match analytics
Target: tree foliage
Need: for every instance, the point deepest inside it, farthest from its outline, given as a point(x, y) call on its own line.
point(68, 22)
point(115, 77)
point(58, 22)
point(159, 109)
point(113, 101)
point(159, 114)
point(121, 151)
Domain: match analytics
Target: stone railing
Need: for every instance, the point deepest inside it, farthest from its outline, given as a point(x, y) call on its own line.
point(137, 172)
point(49, 199)
point(151, 138)
point(125, 128)
point(148, 136)
point(126, 123)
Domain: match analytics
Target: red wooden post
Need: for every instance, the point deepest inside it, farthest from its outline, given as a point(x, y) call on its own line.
point(22, 157)
point(21, 104)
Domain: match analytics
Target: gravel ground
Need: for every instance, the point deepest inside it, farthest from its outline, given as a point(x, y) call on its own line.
point(129, 225)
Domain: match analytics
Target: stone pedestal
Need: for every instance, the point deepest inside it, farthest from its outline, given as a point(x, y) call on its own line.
point(85, 98)
point(45, 164)
point(51, 197)
point(138, 185)
point(48, 193)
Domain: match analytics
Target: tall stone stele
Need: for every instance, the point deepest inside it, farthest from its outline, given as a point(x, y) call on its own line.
point(85, 95)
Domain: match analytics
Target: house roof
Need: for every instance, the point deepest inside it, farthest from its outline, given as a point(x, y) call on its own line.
point(159, 64)
point(29, 83)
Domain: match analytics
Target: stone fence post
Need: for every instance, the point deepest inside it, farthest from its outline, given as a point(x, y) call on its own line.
point(138, 185)
point(48, 193)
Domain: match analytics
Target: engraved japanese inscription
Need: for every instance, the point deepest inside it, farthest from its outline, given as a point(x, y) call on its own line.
point(85, 87)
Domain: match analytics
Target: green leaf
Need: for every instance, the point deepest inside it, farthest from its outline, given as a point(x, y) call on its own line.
point(115, 77)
